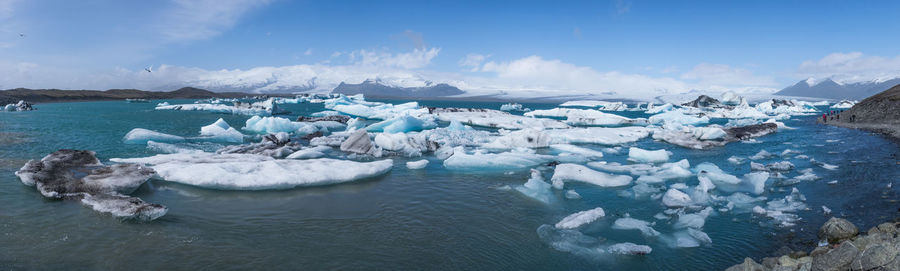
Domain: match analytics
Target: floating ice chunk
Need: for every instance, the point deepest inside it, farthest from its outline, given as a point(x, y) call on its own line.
point(402, 124)
point(602, 105)
point(736, 160)
point(597, 135)
point(629, 249)
point(513, 107)
point(325, 113)
point(420, 164)
point(731, 98)
point(124, 207)
point(649, 179)
point(141, 136)
point(679, 186)
point(806, 176)
point(742, 201)
point(407, 144)
point(537, 189)
point(693, 220)
point(759, 210)
point(653, 109)
point(221, 131)
point(271, 125)
point(572, 172)
point(257, 172)
point(676, 198)
point(358, 142)
point(169, 148)
point(647, 156)
point(586, 117)
point(309, 153)
point(627, 223)
point(826, 210)
point(494, 119)
point(571, 194)
point(580, 218)
point(525, 138)
point(782, 210)
point(677, 117)
point(516, 159)
point(763, 154)
point(576, 150)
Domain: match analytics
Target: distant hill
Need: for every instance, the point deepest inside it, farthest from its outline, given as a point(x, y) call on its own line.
point(57, 95)
point(833, 90)
point(374, 88)
point(879, 113)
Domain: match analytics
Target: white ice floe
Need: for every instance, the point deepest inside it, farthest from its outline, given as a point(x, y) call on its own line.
point(602, 105)
point(264, 108)
point(221, 131)
point(538, 138)
point(629, 249)
point(169, 148)
point(736, 160)
point(495, 119)
point(309, 153)
point(580, 218)
point(783, 211)
point(677, 117)
point(628, 223)
point(537, 188)
point(141, 136)
point(763, 154)
point(654, 109)
point(420, 164)
point(731, 98)
point(586, 117)
point(403, 124)
point(693, 220)
point(256, 172)
point(480, 160)
point(572, 172)
point(572, 194)
point(676, 198)
point(513, 107)
point(647, 156)
point(568, 148)
point(271, 125)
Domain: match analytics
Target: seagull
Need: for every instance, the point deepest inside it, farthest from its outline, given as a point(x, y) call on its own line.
point(149, 69)
point(21, 35)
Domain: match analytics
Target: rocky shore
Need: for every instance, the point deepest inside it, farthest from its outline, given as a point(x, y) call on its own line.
point(846, 249)
point(879, 113)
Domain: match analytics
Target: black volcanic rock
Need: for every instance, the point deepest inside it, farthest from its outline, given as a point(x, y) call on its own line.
point(879, 113)
point(704, 101)
point(374, 88)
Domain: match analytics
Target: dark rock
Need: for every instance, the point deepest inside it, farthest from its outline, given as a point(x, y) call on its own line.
point(876, 255)
point(836, 259)
point(747, 265)
point(313, 135)
point(273, 145)
point(704, 101)
point(358, 142)
point(337, 118)
point(433, 110)
point(79, 175)
point(750, 131)
point(836, 230)
point(888, 228)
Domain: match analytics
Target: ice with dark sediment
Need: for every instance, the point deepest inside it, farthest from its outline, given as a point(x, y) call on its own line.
point(493, 118)
point(263, 108)
point(78, 174)
point(587, 117)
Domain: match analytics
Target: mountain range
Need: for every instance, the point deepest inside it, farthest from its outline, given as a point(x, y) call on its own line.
point(834, 90)
point(374, 88)
point(57, 95)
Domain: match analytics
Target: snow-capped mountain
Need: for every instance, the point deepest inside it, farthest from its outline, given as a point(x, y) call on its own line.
point(377, 88)
point(834, 90)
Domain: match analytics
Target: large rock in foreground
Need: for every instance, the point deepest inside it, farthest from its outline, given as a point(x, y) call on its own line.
point(836, 230)
point(79, 175)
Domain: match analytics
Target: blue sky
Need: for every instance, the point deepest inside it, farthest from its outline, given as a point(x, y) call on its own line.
point(541, 46)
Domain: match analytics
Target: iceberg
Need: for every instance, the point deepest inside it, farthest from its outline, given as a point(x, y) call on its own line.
point(572, 172)
point(358, 142)
point(265, 108)
point(646, 156)
point(234, 171)
point(629, 249)
point(493, 119)
point(677, 117)
point(586, 117)
point(20, 106)
point(652, 109)
point(142, 136)
point(731, 98)
point(567, 148)
point(676, 198)
point(309, 153)
point(513, 107)
point(844, 104)
point(78, 174)
point(480, 160)
point(578, 219)
point(221, 131)
point(420, 164)
point(402, 124)
point(602, 105)
point(268, 125)
point(628, 223)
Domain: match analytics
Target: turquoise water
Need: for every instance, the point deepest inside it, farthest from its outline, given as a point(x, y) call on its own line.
point(407, 219)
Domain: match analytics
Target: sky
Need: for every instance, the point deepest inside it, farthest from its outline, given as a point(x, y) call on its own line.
point(540, 48)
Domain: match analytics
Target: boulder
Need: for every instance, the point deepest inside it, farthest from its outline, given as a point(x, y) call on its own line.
point(837, 230)
point(836, 259)
point(747, 265)
point(875, 255)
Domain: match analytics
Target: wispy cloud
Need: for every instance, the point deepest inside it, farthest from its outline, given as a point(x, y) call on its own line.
point(622, 6)
point(720, 76)
point(851, 67)
point(472, 61)
point(189, 20)
point(417, 58)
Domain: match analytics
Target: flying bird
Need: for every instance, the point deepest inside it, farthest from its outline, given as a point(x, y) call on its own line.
point(149, 69)
point(21, 35)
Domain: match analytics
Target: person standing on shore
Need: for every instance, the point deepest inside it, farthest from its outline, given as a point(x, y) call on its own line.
point(824, 117)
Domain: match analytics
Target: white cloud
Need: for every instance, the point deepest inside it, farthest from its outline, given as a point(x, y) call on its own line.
point(851, 67)
point(472, 61)
point(188, 20)
point(720, 76)
point(418, 58)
